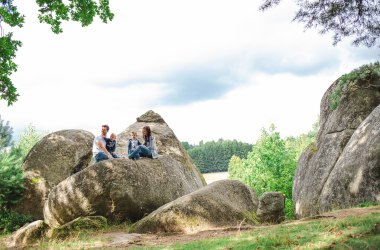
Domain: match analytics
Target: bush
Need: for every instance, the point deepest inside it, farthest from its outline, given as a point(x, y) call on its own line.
point(271, 164)
point(269, 167)
point(12, 179)
point(11, 221)
point(11, 174)
point(367, 74)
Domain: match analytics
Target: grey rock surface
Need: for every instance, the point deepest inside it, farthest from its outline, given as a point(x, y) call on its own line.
point(336, 129)
point(356, 176)
point(271, 208)
point(166, 140)
point(27, 235)
point(220, 204)
point(54, 158)
point(119, 189)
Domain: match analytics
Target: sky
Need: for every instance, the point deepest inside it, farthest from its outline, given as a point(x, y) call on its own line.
point(212, 69)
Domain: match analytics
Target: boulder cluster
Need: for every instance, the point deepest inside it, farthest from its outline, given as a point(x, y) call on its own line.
point(66, 192)
point(342, 168)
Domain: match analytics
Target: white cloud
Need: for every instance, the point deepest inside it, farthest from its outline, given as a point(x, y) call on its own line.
point(78, 79)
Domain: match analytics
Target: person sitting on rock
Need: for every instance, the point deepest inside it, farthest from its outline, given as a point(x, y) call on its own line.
point(148, 148)
point(111, 145)
point(133, 143)
point(99, 150)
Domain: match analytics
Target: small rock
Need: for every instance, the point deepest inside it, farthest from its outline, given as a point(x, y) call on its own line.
point(271, 208)
point(28, 234)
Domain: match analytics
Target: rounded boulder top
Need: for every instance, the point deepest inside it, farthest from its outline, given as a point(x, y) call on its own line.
point(150, 116)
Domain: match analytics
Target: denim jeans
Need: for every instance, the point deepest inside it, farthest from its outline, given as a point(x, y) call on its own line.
point(115, 155)
point(142, 151)
point(101, 156)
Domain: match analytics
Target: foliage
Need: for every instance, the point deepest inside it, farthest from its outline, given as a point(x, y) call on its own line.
point(357, 19)
point(299, 143)
point(12, 179)
point(11, 174)
point(8, 48)
point(27, 140)
point(5, 135)
point(52, 12)
point(214, 156)
point(365, 76)
point(11, 221)
point(187, 145)
point(271, 164)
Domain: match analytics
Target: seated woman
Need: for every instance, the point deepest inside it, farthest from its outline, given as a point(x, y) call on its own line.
point(148, 148)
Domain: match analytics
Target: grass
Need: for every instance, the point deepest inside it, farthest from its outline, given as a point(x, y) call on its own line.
point(355, 232)
point(349, 233)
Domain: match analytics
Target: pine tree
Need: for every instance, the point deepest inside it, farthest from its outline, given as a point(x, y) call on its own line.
point(5, 134)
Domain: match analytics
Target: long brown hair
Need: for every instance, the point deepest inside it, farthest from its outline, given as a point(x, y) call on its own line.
point(148, 133)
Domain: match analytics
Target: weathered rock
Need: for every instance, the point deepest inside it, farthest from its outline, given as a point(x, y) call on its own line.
point(337, 127)
point(54, 158)
point(167, 142)
point(356, 175)
point(28, 234)
point(77, 225)
point(271, 208)
point(119, 189)
point(222, 203)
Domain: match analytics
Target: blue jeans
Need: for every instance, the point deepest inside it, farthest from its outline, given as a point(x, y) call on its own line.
point(115, 155)
point(142, 151)
point(101, 156)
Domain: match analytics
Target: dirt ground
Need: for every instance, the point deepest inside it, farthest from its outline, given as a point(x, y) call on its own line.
point(124, 240)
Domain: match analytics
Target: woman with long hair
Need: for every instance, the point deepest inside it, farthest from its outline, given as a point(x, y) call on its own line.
point(148, 148)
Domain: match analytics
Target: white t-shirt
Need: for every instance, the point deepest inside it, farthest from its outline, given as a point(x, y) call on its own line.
point(134, 144)
point(95, 147)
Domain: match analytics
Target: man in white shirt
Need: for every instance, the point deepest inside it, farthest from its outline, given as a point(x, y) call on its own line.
point(99, 150)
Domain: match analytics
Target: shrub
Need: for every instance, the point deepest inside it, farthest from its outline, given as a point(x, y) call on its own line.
point(11, 221)
point(367, 75)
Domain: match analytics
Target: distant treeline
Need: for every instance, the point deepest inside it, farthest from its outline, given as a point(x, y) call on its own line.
point(214, 156)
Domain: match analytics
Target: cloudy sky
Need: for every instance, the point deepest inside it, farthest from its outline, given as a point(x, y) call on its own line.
point(212, 69)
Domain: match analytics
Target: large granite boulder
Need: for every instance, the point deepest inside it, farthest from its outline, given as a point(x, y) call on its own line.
point(356, 176)
point(27, 235)
point(54, 158)
point(167, 142)
point(220, 204)
point(336, 128)
point(120, 189)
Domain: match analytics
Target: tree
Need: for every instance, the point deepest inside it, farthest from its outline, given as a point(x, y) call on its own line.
point(359, 19)
point(6, 132)
point(11, 173)
point(269, 167)
point(52, 12)
point(214, 156)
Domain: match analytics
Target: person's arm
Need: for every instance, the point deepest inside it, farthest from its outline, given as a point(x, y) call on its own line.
point(100, 145)
point(153, 147)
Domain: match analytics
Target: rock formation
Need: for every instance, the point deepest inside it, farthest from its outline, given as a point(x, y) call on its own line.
point(54, 158)
point(27, 235)
point(271, 207)
point(320, 165)
point(167, 142)
point(120, 189)
point(222, 203)
point(356, 176)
